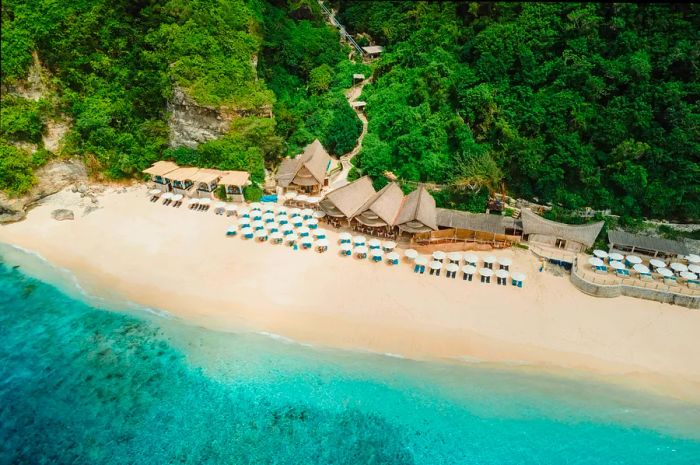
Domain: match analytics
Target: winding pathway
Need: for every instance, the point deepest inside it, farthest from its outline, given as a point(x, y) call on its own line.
point(341, 177)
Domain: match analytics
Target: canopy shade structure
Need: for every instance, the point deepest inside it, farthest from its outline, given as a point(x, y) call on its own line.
point(617, 265)
point(154, 192)
point(344, 236)
point(439, 255)
point(615, 257)
point(435, 265)
point(361, 250)
point(411, 253)
point(487, 272)
point(692, 258)
point(595, 261)
point(641, 269)
point(393, 256)
point(647, 245)
point(376, 252)
point(452, 267)
point(161, 168)
point(688, 275)
point(454, 256)
point(469, 269)
point(235, 178)
point(422, 261)
point(489, 259)
point(471, 258)
point(519, 276)
point(505, 261)
point(585, 234)
point(694, 268)
point(177, 197)
point(633, 259)
point(389, 245)
point(665, 272)
point(600, 253)
point(359, 240)
point(656, 263)
point(678, 267)
point(502, 274)
point(345, 247)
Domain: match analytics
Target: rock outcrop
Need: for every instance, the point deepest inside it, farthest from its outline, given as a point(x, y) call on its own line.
point(62, 214)
point(51, 178)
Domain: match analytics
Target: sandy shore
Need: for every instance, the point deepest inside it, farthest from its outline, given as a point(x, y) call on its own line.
point(182, 262)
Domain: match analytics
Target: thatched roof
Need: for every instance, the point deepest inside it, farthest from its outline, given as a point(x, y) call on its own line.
point(385, 204)
point(306, 169)
point(235, 178)
point(160, 168)
point(657, 244)
point(183, 174)
point(585, 233)
point(350, 197)
point(485, 222)
point(418, 206)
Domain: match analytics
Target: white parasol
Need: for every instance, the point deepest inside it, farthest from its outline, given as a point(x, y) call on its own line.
point(600, 253)
point(411, 253)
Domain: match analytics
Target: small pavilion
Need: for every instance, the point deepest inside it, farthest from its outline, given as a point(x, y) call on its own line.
point(342, 203)
point(378, 214)
point(157, 172)
point(234, 182)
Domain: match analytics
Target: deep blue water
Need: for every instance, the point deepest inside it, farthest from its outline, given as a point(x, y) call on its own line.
point(87, 385)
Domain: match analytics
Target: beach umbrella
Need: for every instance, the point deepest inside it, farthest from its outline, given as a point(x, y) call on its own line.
point(435, 265)
point(361, 251)
point(375, 244)
point(469, 269)
point(471, 258)
point(276, 237)
point(291, 195)
point(244, 221)
point(389, 246)
point(376, 254)
point(304, 231)
point(154, 192)
point(190, 202)
point(517, 279)
point(595, 261)
point(272, 227)
point(257, 225)
point(438, 255)
point(633, 259)
point(256, 214)
point(244, 212)
point(247, 233)
point(345, 237)
point(167, 196)
point(177, 197)
point(486, 272)
point(321, 245)
point(306, 242)
point(665, 272)
point(291, 239)
point(281, 210)
point(346, 248)
point(307, 213)
point(261, 235)
point(255, 206)
point(231, 209)
point(220, 205)
point(282, 219)
point(204, 201)
point(641, 269)
point(319, 233)
point(393, 258)
point(452, 267)
point(302, 198)
point(502, 275)
point(489, 259)
point(693, 258)
point(422, 261)
point(687, 275)
point(410, 254)
point(602, 254)
point(297, 221)
point(319, 214)
point(294, 212)
point(268, 217)
point(694, 268)
point(615, 265)
point(656, 263)
point(615, 257)
point(269, 207)
point(359, 240)
point(678, 267)
point(312, 223)
point(454, 257)
point(231, 231)
point(287, 229)
point(313, 200)
point(505, 261)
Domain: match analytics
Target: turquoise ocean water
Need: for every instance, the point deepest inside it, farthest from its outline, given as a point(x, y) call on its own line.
point(83, 384)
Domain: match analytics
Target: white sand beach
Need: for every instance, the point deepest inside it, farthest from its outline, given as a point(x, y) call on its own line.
point(181, 261)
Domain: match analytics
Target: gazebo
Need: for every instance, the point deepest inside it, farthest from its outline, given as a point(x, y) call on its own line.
point(157, 172)
point(205, 182)
point(234, 182)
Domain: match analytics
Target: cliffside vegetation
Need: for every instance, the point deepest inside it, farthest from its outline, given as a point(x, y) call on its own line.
point(576, 104)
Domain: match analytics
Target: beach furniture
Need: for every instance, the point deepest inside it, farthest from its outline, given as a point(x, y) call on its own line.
point(377, 255)
point(438, 256)
point(321, 245)
point(392, 258)
point(642, 270)
point(272, 227)
point(598, 265)
point(268, 217)
point(256, 206)
point(505, 263)
point(306, 242)
point(261, 235)
point(312, 223)
point(631, 260)
point(231, 231)
point(615, 257)
point(361, 252)
point(471, 259)
point(345, 238)
point(486, 274)
point(389, 246)
point(656, 263)
point(291, 239)
point(319, 233)
point(359, 240)
point(319, 214)
point(346, 249)
point(219, 208)
point(454, 257)
point(502, 277)
point(247, 233)
point(167, 198)
point(258, 225)
point(177, 200)
point(435, 267)
point(231, 210)
point(419, 265)
point(517, 279)
point(287, 229)
point(244, 212)
point(676, 267)
point(620, 269)
point(276, 237)
point(468, 272)
point(304, 231)
point(307, 213)
point(374, 244)
point(602, 254)
point(489, 260)
point(693, 268)
point(154, 194)
point(204, 204)
point(451, 270)
point(410, 254)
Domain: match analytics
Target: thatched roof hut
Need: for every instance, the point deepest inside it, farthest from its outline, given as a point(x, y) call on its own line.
point(417, 213)
point(565, 236)
point(646, 245)
point(382, 208)
point(345, 201)
point(307, 169)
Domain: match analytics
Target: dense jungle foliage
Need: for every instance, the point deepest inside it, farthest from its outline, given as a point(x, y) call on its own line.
point(576, 104)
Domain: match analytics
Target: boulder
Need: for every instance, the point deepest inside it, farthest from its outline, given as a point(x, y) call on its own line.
point(62, 214)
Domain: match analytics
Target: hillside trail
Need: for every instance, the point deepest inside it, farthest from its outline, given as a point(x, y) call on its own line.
point(341, 177)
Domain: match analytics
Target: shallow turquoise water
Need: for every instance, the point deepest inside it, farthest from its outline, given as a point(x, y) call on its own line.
point(80, 384)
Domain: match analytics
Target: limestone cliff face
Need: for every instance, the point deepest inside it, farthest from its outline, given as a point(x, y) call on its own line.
point(192, 124)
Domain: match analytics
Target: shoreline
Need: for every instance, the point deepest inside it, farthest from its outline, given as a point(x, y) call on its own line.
point(323, 300)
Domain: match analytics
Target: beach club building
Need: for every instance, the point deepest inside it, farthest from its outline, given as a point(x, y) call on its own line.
point(307, 173)
point(455, 226)
point(158, 172)
point(377, 216)
point(341, 204)
point(417, 213)
point(639, 244)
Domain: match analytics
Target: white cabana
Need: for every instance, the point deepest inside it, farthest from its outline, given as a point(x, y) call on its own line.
point(410, 254)
point(439, 255)
point(615, 257)
point(678, 267)
point(602, 254)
